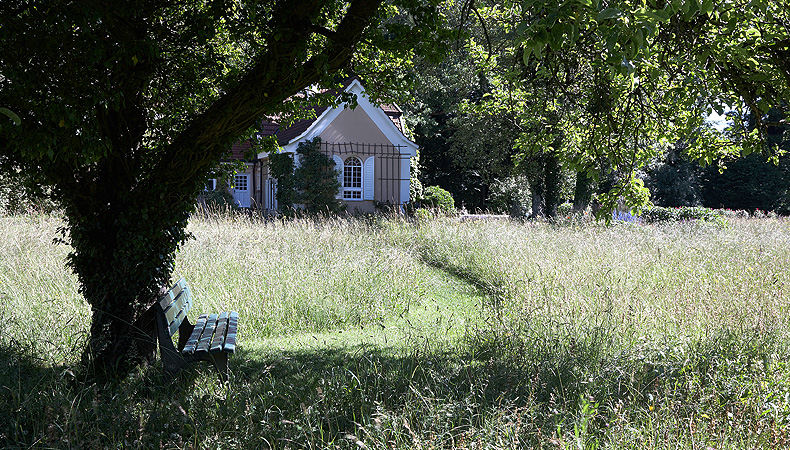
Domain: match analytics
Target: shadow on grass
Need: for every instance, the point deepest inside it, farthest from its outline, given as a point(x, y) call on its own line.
point(523, 388)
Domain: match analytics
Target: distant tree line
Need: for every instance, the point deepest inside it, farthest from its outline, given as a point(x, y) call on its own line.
point(748, 183)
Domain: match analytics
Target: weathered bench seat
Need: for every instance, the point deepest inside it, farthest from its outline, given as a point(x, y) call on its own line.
point(212, 338)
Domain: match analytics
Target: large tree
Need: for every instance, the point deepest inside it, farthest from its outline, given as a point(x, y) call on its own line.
point(124, 109)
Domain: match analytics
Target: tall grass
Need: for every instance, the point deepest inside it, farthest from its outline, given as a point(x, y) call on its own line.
point(301, 275)
point(674, 280)
point(387, 334)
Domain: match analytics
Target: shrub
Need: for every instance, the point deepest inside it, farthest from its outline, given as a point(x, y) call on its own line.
point(281, 167)
point(316, 179)
point(314, 184)
point(218, 199)
point(659, 214)
point(438, 198)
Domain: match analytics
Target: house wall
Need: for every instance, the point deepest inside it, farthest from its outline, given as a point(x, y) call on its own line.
point(386, 185)
point(353, 125)
point(386, 175)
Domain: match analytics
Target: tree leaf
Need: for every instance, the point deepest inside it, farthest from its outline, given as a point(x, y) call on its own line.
point(609, 13)
point(12, 115)
point(657, 15)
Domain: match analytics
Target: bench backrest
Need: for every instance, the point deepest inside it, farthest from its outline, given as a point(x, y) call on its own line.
point(175, 305)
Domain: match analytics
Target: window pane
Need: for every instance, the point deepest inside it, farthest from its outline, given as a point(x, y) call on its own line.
point(352, 179)
point(240, 181)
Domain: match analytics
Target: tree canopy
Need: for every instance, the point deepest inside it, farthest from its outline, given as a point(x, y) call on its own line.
point(602, 88)
point(655, 70)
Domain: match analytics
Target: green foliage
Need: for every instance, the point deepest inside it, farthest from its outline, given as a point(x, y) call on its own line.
point(218, 200)
point(674, 181)
point(659, 214)
point(751, 182)
point(313, 184)
point(510, 195)
point(19, 193)
point(281, 168)
point(748, 183)
point(463, 149)
point(644, 75)
point(439, 199)
point(316, 179)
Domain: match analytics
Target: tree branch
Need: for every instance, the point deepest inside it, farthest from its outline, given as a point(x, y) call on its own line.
point(275, 75)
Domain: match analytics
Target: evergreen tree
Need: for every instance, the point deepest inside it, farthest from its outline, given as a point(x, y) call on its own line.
point(281, 167)
point(316, 180)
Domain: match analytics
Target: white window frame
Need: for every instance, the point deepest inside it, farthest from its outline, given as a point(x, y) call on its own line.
point(353, 179)
point(211, 185)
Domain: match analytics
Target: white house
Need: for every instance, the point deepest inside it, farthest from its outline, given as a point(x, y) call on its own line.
point(367, 143)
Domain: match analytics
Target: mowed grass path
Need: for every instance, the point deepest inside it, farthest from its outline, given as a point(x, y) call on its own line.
point(387, 334)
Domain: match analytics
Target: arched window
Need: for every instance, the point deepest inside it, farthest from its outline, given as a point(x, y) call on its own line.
point(352, 179)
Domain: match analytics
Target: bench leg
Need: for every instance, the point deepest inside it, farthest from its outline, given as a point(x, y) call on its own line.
point(172, 361)
point(220, 361)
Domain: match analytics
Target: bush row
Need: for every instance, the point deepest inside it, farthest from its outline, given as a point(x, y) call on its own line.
point(660, 214)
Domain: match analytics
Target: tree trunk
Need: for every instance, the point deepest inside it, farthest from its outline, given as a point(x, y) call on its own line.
point(537, 200)
point(124, 235)
point(582, 193)
point(116, 345)
point(553, 181)
point(123, 263)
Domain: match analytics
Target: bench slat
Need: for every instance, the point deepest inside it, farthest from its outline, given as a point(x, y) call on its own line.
point(178, 310)
point(219, 334)
point(230, 338)
point(208, 332)
point(175, 305)
point(191, 344)
point(171, 295)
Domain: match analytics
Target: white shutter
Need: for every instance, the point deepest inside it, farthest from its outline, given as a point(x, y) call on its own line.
point(369, 178)
point(339, 167)
point(405, 176)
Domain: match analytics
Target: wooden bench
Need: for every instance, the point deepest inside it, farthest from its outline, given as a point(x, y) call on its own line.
point(212, 338)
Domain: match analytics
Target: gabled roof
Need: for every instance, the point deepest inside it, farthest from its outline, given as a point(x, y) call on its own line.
point(386, 117)
point(239, 148)
point(285, 135)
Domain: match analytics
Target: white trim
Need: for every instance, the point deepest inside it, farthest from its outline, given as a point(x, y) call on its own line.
point(211, 185)
point(355, 193)
point(379, 117)
point(271, 194)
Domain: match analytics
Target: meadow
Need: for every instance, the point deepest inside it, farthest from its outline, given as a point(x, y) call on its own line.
point(382, 333)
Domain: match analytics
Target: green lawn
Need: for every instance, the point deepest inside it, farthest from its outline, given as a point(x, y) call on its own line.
point(386, 334)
